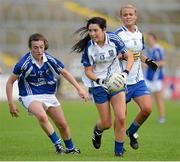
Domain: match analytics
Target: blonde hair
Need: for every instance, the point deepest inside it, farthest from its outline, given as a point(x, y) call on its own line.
point(127, 6)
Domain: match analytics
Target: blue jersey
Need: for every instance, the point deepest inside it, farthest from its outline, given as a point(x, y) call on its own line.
point(103, 59)
point(34, 79)
point(157, 54)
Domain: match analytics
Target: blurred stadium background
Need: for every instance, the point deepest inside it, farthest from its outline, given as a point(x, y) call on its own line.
point(58, 19)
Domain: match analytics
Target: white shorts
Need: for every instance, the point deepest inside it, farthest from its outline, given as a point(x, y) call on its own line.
point(47, 100)
point(154, 86)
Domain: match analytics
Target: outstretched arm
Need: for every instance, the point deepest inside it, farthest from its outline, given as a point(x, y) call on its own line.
point(81, 92)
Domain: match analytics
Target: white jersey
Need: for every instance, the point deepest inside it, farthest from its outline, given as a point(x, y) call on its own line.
point(134, 42)
point(103, 59)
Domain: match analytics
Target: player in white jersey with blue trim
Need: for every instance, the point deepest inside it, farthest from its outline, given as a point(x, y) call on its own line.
point(136, 87)
point(154, 79)
point(100, 59)
point(36, 73)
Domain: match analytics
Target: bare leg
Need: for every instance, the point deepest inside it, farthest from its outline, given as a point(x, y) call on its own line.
point(160, 105)
point(37, 109)
point(57, 115)
point(145, 105)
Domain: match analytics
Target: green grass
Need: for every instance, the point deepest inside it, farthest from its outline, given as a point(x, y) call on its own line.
point(22, 139)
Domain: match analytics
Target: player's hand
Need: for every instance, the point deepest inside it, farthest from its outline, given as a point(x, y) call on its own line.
point(152, 64)
point(83, 94)
point(123, 77)
point(102, 82)
point(13, 110)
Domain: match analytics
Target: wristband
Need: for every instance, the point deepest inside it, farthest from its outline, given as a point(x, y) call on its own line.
point(146, 60)
point(97, 80)
point(126, 71)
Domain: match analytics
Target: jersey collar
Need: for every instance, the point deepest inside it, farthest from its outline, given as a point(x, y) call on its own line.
point(34, 61)
point(106, 40)
point(126, 29)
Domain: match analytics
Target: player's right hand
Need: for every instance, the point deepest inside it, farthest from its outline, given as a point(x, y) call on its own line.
point(13, 110)
point(102, 82)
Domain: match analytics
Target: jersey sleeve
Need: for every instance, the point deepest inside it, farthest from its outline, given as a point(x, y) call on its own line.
point(55, 65)
point(158, 54)
point(17, 69)
point(120, 46)
point(86, 59)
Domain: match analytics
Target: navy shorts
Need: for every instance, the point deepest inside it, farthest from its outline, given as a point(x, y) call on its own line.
point(100, 96)
point(136, 90)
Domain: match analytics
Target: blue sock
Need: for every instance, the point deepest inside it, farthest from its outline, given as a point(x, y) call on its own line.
point(118, 147)
point(133, 127)
point(69, 144)
point(54, 138)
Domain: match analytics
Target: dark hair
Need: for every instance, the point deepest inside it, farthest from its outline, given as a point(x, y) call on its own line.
point(37, 37)
point(153, 35)
point(83, 32)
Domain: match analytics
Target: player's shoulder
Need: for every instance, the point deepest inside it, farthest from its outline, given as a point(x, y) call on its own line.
point(53, 60)
point(119, 30)
point(159, 49)
point(25, 59)
point(24, 62)
point(113, 36)
point(50, 57)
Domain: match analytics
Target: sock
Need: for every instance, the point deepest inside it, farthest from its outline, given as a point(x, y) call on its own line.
point(55, 139)
point(69, 144)
point(133, 127)
point(118, 147)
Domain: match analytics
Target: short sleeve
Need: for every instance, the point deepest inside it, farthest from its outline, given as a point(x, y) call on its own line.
point(17, 69)
point(86, 59)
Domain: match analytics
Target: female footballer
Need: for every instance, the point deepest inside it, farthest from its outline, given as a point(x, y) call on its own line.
point(36, 73)
point(100, 58)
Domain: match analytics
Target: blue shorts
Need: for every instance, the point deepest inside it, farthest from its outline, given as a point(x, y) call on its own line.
point(136, 90)
point(100, 96)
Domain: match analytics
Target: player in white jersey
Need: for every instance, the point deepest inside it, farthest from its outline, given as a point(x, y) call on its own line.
point(100, 58)
point(36, 73)
point(136, 87)
point(154, 79)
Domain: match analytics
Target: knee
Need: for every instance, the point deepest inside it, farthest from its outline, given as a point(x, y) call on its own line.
point(43, 118)
point(147, 111)
point(106, 124)
point(62, 126)
point(121, 120)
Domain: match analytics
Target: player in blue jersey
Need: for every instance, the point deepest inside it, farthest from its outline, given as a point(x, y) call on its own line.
point(100, 58)
point(136, 87)
point(36, 73)
point(154, 79)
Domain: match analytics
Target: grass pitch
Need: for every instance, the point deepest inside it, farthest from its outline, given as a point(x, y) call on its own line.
point(22, 139)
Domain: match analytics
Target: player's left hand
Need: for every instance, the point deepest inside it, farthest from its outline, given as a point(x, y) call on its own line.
point(152, 64)
point(124, 76)
point(83, 94)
